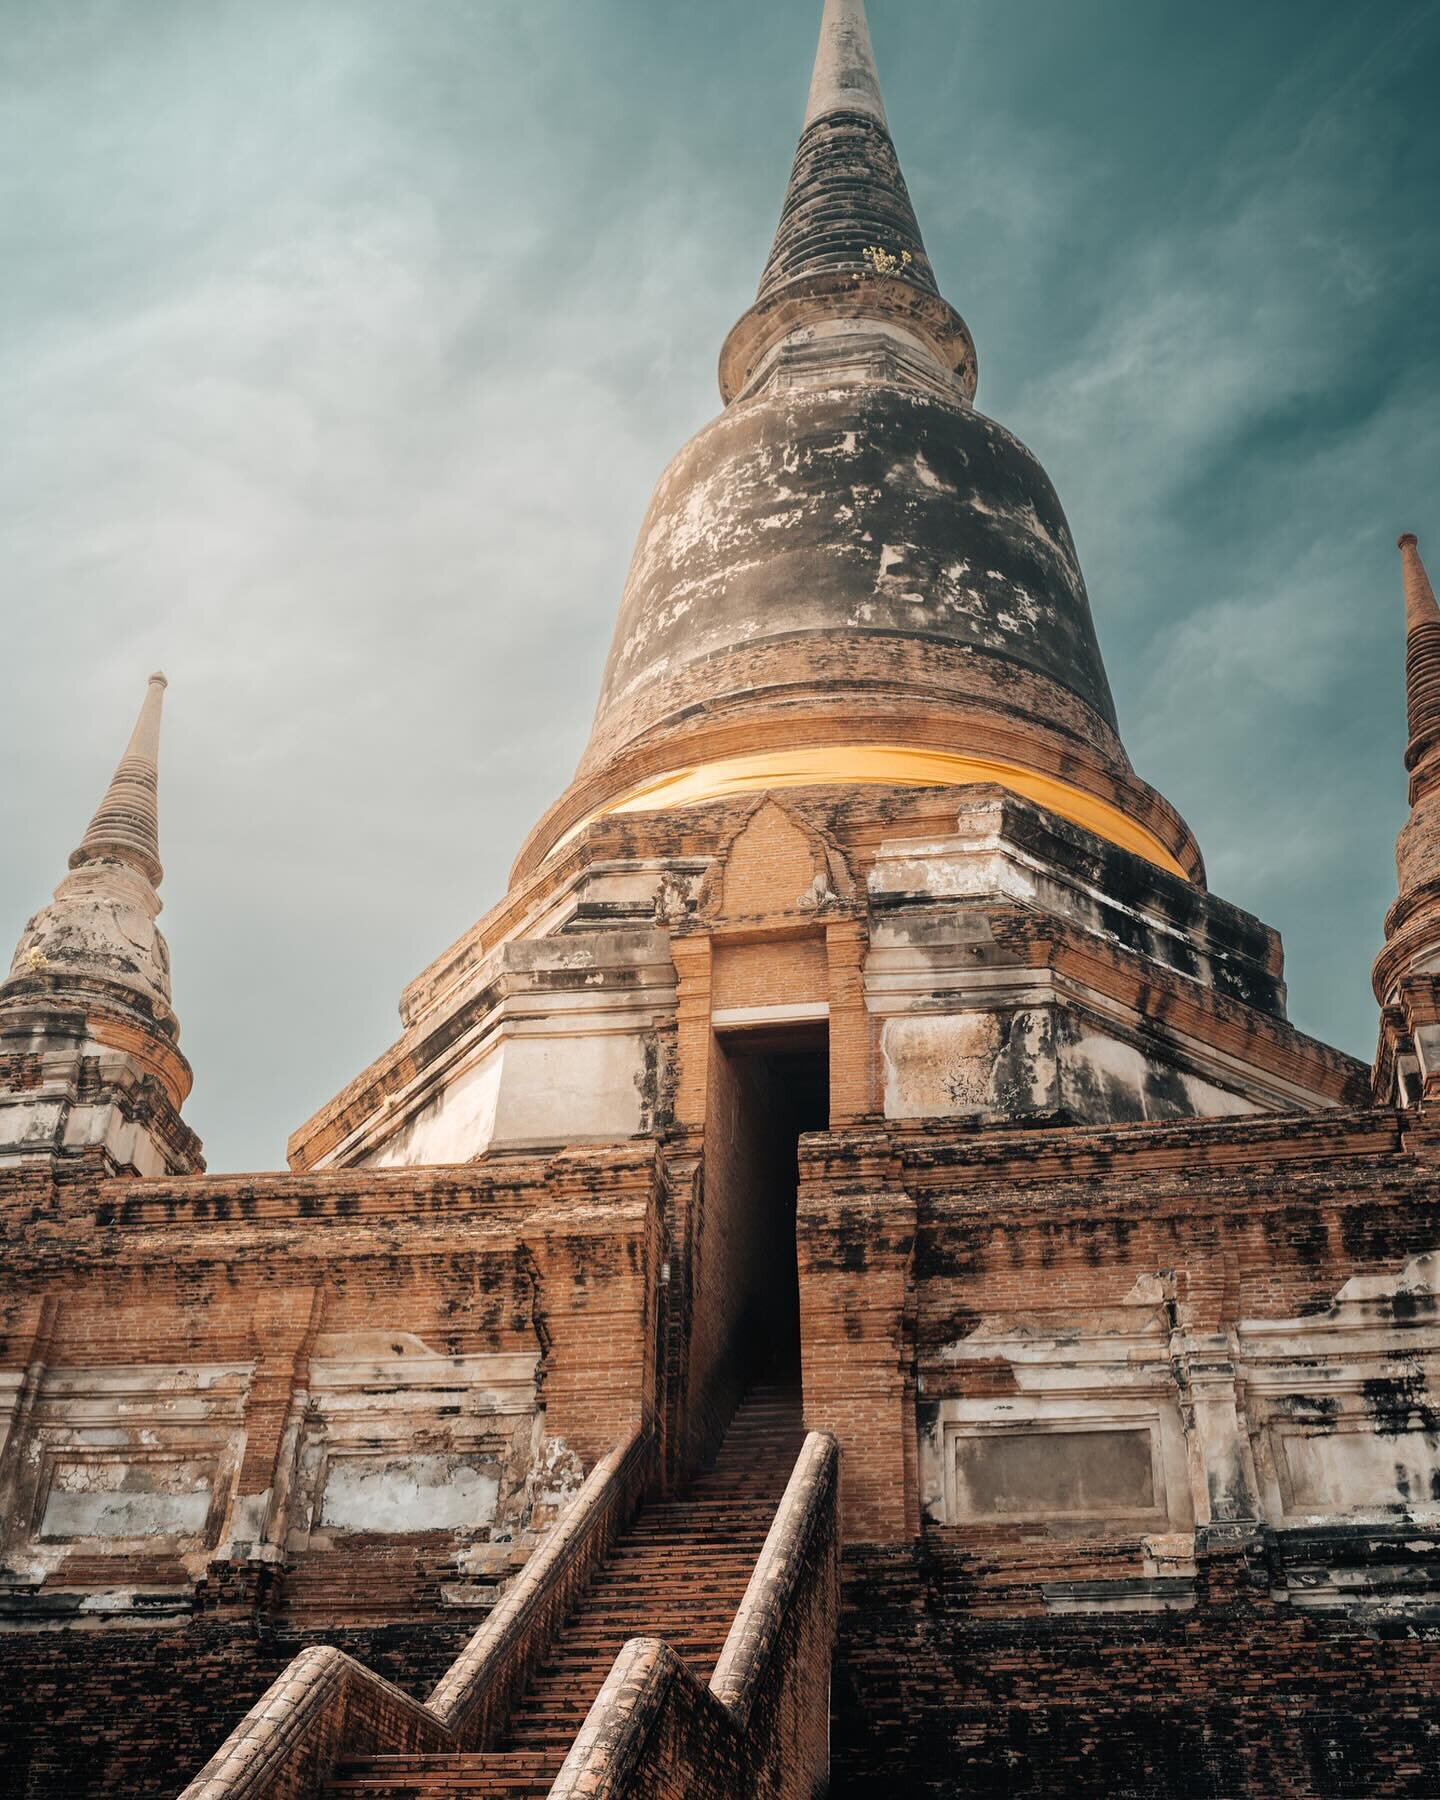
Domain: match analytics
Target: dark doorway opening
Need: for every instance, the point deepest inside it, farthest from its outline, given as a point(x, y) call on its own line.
point(779, 1088)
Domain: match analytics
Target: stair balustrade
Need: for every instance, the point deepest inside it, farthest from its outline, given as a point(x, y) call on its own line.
point(760, 1730)
point(736, 1581)
point(326, 1704)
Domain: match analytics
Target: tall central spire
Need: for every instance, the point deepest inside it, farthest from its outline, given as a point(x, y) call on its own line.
point(848, 246)
point(851, 576)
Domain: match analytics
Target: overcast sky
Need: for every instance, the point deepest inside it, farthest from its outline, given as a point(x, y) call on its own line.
point(341, 342)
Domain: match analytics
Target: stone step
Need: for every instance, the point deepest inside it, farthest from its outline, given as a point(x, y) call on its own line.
point(593, 1636)
point(560, 1687)
point(479, 1786)
point(509, 1773)
point(635, 1563)
point(704, 1593)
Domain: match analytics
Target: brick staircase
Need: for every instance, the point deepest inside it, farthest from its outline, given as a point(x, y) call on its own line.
point(679, 1573)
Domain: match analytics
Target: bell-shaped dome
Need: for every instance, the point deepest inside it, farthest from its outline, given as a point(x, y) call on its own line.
point(919, 542)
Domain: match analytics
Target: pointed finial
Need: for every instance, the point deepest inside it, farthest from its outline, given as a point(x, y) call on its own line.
point(848, 246)
point(1422, 655)
point(847, 211)
point(846, 79)
point(1420, 607)
point(126, 825)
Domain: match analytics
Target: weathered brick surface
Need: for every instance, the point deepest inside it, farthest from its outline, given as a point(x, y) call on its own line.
point(1239, 1697)
point(644, 1283)
point(138, 1712)
point(953, 1673)
point(853, 1032)
point(551, 1262)
point(909, 1238)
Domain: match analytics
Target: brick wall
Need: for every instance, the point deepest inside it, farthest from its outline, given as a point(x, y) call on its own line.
point(139, 1711)
point(547, 1264)
point(958, 1670)
point(1238, 1697)
point(909, 1239)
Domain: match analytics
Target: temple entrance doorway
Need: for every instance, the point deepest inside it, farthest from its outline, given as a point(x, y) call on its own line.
point(774, 1087)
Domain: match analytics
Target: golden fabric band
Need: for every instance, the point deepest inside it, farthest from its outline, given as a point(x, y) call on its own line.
point(889, 765)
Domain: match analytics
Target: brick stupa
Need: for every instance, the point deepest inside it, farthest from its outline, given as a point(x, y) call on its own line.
point(847, 1281)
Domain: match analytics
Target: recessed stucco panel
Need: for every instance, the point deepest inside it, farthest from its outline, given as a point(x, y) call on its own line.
point(456, 1126)
point(558, 1089)
point(30, 1124)
point(96, 1499)
point(943, 1066)
point(1325, 1473)
point(409, 1494)
point(1103, 1078)
point(1051, 1474)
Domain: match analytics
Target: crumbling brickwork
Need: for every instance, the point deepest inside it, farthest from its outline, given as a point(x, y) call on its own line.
point(139, 1713)
point(1268, 1653)
point(287, 1410)
point(1240, 1696)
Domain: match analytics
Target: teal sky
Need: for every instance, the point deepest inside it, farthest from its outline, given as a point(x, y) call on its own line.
point(341, 344)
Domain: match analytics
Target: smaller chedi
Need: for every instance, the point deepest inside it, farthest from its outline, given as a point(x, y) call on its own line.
point(89, 1042)
point(1407, 971)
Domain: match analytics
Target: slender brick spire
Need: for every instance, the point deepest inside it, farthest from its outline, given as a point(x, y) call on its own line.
point(1420, 607)
point(847, 204)
point(98, 937)
point(1407, 971)
point(85, 1013)
point(126, 825)
point(1417, 851)
point(1422, 652)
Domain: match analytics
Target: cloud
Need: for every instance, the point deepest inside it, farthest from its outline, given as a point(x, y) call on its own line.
point(343, 345)
point(1238, 437)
